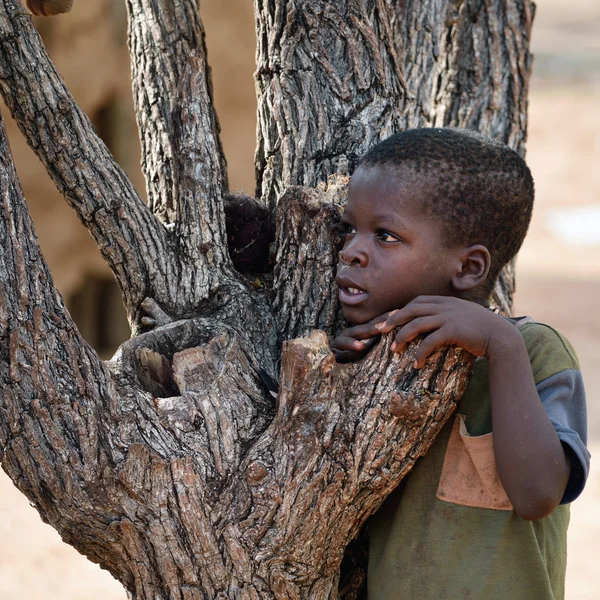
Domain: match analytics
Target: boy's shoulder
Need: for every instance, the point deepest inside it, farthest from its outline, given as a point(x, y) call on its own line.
point(549, 350)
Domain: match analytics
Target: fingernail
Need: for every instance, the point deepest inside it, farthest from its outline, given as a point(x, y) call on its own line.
point(380, 326)
point(393, 347)
point(416, 364)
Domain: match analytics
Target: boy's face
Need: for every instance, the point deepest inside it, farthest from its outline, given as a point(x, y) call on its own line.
point(393, 250)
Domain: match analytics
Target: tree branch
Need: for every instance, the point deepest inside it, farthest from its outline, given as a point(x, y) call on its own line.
point(56, 397)
point(467, 64)
point(162, 36)
point(128, 235)
point(329, 85)
point(82, 440)
point(342, 438)
point(198, 178)
point(305, 293)
point(206, 389)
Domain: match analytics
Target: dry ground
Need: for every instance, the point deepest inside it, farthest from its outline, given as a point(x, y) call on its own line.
point(558, 283)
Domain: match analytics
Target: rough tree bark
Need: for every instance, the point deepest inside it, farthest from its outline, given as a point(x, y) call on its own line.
point(171, 465)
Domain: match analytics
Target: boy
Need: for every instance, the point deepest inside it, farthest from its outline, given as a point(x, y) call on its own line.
point(432, 217)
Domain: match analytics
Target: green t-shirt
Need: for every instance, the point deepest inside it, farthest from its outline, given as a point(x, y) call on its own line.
point(449, 532)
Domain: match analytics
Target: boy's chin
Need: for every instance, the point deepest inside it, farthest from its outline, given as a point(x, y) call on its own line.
point(356, 316)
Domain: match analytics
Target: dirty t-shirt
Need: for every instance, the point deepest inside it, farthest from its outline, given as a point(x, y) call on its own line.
point(449, 530)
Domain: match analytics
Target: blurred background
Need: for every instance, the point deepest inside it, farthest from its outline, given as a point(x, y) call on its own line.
point(558, 268)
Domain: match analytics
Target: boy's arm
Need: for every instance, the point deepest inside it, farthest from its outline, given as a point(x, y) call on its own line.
point(531, 462)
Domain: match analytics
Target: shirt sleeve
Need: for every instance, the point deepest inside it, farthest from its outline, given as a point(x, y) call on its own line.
point(560, 387)
point(563, 397)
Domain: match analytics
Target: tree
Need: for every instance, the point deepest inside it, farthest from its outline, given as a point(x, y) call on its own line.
point(171, 465)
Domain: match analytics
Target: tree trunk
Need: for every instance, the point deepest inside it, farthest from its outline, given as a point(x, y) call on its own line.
point(171, 465)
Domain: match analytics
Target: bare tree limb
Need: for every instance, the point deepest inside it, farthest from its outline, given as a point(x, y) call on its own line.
point(323, 466)
point(81, 438)
point(329, 85)
point(306, 296)
point(129, 237)
point(467, 64)
point(162, 36)
point(198, 176)
point(56, 396)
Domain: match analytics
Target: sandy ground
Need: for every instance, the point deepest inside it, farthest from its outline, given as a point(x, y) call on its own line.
point(559, 282)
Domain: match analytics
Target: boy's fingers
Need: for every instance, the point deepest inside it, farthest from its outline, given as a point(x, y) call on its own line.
point(155, 312)
point(432, 299)
point(343, 356)
point(348, 349)
point(412, 330)
point(370, 343)
point(431, 343)
point(394, 319)
point(343, 342)
point(401, 317)
point(365, 331)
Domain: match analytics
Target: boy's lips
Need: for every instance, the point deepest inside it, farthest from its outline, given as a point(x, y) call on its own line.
point(350, 292)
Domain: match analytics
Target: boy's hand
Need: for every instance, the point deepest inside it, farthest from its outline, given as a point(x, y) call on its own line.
point(353, 343)
point(531, 461)
point(448, 321)
point(153, 315)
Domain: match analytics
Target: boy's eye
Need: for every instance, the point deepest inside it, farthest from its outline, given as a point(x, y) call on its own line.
point(347, 229)
point(386, 236)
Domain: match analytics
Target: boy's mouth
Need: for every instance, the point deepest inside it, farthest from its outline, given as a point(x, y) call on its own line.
point(349, 292)
point(352, 296)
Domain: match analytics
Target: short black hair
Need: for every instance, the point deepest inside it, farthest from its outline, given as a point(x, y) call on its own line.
point(480, 188)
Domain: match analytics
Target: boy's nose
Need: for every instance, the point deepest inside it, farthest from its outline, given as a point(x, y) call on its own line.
point(351, 254)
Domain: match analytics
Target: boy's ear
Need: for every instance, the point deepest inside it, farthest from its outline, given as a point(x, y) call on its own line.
point(475, 261)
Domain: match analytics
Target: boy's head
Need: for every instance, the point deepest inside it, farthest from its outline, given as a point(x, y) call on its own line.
point(465, 203)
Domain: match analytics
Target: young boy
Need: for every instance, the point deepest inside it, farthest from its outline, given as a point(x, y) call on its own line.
point(432, 217)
